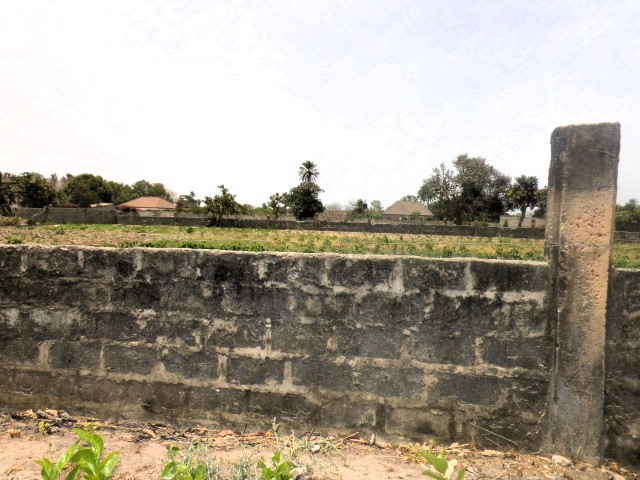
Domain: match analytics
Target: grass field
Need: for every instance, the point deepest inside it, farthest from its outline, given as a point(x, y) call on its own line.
point(122, 236)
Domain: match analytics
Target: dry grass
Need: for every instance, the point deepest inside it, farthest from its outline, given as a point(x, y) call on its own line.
point(123, 236)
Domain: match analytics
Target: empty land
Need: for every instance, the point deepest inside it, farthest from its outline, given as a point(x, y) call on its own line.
point(305, 241)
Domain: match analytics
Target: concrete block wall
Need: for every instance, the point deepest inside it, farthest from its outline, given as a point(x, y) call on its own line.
point(451, 349)
point(622, 371)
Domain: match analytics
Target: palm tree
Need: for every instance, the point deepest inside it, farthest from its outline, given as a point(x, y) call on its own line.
point(308, 171)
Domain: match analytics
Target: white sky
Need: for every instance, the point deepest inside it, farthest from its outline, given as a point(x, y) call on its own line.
point(196, 93)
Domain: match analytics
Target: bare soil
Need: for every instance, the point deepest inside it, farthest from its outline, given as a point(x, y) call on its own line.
point(27, 436)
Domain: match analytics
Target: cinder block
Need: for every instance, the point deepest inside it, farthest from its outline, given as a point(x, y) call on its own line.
point(392, 382)
point(75, 355)
point(370, 342)
point(252, 371)
point(319, 373)
point(129, 359)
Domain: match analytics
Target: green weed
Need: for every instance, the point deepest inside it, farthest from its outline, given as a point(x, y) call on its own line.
point(278, 470)
point(81, 461)
point(440, 468)
point(13, 240)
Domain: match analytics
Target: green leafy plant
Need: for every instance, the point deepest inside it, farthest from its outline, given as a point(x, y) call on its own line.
point(14, 240)
point(278, 470)
point(52, 471)
point(89, 459)
point(182, 469)
point(440, 468)
point(82, 461)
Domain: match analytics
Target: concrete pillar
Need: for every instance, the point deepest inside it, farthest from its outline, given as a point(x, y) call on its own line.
point(578, 246)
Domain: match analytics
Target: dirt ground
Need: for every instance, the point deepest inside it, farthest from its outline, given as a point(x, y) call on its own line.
point(27, 436)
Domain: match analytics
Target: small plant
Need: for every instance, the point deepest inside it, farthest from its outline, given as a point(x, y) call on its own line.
point(182, 469)
point(44, 427)
point(83, 462)
point(9, 221)
point(440, 468)
point(13, 240)
point(52, 471)
point(279, 470)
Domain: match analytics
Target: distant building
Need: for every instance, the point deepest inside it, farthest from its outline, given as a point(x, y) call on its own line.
point(407, 210)
point(148, 203)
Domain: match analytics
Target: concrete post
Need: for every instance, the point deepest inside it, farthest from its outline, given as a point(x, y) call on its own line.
point(578, 246)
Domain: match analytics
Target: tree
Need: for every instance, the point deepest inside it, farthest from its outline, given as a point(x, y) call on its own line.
point(376, 206)
point(7, 194)
point(473, 190)
point(118, 192)
point(541, 203)
point(276, 201)
point(87, 189)
point(483, 189)
point(439, 192)
point(33, 190)
point(308, 172)
point(222, 204)
point(410, 198)
point(359, 207)
point(628, 213)
point(524, 194)
point(143, 188)
point(188, 203)
point(304, 201)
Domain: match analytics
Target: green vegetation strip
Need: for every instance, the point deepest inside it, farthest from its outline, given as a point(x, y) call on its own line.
point(305, 241)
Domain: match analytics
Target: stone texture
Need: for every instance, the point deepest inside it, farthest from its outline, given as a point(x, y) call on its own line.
point(580, 224)
point(323, 340)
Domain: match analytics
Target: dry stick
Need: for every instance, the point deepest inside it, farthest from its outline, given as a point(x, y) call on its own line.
point(493, 433)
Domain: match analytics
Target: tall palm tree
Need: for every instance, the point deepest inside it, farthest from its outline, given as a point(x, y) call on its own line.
point(308, 171)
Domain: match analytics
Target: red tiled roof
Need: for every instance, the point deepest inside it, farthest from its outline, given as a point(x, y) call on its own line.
point(148, 202)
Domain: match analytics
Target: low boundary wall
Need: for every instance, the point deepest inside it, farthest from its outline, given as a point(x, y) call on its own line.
point(405, 346)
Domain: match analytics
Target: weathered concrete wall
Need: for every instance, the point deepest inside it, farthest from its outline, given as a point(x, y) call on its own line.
point(622, 394)
point(61, 215)
point(578, 244)
point(407, 346)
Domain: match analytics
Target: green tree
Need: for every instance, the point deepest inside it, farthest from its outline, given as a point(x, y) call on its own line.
point(118, 192)
point(188, 203)
point(308, 172)
point(473, 190)
point(376, 206)
point(33, 190)
point(222, 204)
point(359, 207)
point(524, 194)
point(304, 200)
point(87, 189)
point(482, 189)
point(439, 192)
point(143, 188)
point(7, 194)
point(275, 203)
point(626, 214)
point(541, 203)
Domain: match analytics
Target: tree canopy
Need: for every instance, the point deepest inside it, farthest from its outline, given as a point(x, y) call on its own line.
point(524, 194)
point(222, 204)
point(143, 188)
point(87, 189)
point(473, 190)
point(304, 199)
point(308, 171)
point(33, 190)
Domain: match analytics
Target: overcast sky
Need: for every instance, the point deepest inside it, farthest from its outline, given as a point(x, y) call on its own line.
point(377, 93)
